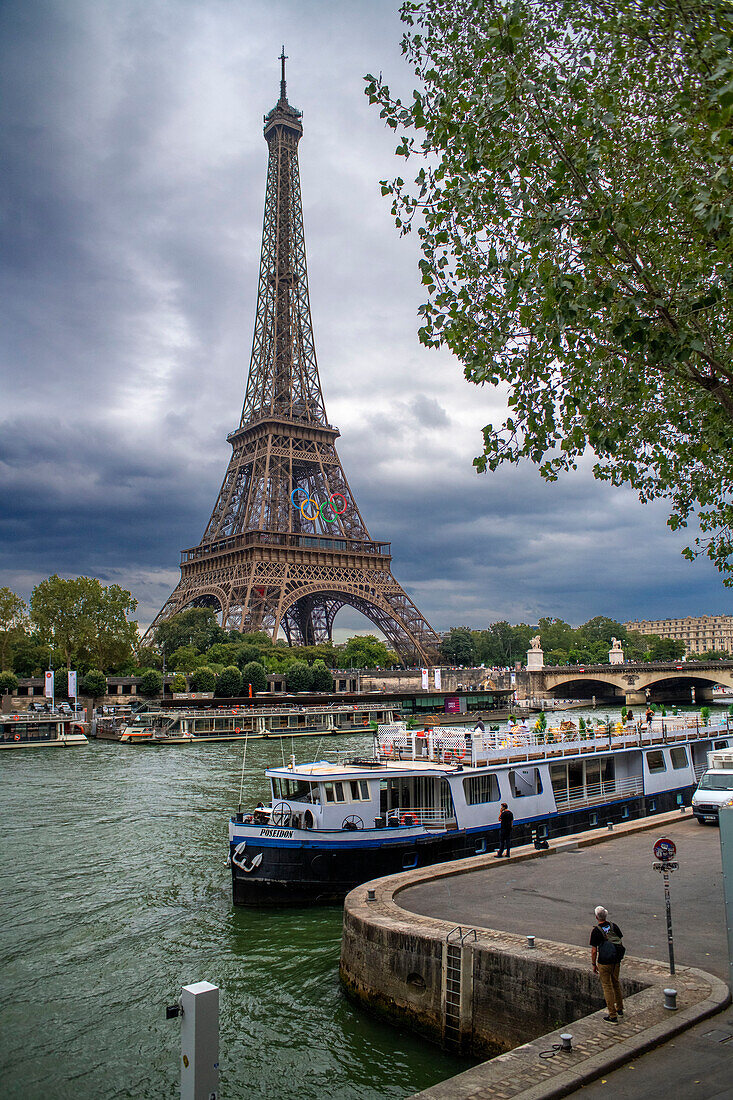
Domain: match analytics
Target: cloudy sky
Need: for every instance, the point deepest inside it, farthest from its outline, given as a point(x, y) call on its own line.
point(131, 199)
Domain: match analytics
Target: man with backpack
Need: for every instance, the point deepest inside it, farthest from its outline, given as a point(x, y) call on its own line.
point(606, 953)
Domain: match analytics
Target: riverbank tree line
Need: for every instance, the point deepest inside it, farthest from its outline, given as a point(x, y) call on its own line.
point(82, 624)
point(502, 645)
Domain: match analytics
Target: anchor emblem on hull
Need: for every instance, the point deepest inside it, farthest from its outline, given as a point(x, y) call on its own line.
point(245, 864)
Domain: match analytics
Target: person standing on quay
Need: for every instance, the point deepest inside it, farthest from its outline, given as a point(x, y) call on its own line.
point(605, 942)
point(506, 820)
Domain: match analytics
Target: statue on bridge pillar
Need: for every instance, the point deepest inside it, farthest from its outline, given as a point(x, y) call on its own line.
point(535, 656)
point(615, 653)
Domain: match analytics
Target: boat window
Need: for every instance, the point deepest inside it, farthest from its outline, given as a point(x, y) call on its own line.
point(359, 790)
point(203, 725)
point(679, 757)
point(295, 790)
point(481, 788)
point(655, 761)
point(559, 780)
point(524, 782)
point(720, 744)
point(334, 792)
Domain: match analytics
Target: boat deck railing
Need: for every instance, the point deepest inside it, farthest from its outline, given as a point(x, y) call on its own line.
point(596, 793)
point(457, 746)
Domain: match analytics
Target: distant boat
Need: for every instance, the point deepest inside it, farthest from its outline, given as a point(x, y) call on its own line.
point(430, 795)
point(30, 730)
point(177, 727)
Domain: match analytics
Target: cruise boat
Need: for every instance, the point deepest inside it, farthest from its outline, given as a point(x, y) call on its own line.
point(25, 730)
point(430, 795)
point(176, 727)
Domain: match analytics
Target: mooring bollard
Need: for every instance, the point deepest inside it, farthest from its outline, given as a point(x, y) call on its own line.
point(371, 895)
point(198, 1008)
point(530, 941)
point(609, 826)
point(670, 999)
point(567, 1041)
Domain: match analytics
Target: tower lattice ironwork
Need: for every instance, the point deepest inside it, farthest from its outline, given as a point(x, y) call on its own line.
point(286, 546)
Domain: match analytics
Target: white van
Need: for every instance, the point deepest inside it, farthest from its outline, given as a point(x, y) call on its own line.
point(716, 787)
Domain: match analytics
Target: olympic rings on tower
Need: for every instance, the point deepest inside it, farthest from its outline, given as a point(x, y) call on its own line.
point(311, 516)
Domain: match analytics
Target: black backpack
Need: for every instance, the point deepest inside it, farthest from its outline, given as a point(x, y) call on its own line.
point(612, 949)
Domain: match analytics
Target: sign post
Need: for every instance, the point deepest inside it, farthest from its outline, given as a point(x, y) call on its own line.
point(665, 850)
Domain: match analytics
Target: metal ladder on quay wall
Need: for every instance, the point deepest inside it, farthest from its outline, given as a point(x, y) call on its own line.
point(453, 986)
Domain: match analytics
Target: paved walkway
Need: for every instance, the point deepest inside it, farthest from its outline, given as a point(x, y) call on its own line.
point(554, 900)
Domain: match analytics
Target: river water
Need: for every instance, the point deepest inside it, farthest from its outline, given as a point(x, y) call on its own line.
point(116, 893)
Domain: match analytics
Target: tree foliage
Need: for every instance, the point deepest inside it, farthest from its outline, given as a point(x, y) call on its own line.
point(13, 621)
point(8, 683)
point(366, 651)
point(203, 679)
point(322, 678)
point(459, 648)
point(151, 683)
point(229, 682)
point(93, 683)
point(574, 204)
point(84, 620)
point(195, 627)
point(254, 676)
point(298, 676)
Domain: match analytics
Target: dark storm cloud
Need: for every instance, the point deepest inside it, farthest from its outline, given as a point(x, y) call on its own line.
point(131, 205)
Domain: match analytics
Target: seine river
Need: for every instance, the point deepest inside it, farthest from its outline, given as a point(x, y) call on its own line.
point(115, 893)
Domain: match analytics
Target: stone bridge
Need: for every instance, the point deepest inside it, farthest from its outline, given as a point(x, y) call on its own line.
point(630, 683)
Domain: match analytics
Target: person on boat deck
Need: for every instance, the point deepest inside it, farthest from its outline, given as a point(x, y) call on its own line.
point(506, 820)
point(630, 716)
point(604, 936)
point(479, 727)
point(649, 716)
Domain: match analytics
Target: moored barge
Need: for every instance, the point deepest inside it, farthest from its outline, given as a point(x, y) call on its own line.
point(22, 731)
point(176, 727)
point(430, 795)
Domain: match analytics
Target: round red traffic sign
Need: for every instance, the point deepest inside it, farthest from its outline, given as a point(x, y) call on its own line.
point(665, 849)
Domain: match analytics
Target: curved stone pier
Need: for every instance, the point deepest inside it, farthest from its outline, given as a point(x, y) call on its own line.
point(485, 992)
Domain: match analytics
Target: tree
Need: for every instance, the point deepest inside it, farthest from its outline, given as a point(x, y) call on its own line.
point(13, 621)
point(574, 206)
point(459, 647)
point(229, 682)
point(365, 651)
point(601, 630)
point(503, 645)
point(664, 649)
point(246, 654)
point(94, 684)
point(195, 627)
point(298, 677)
point(322, 677)
point(8, 683)
point(84, 620)
point(151, 683)
point(186, 658)
point(178, 684)
point(203, 679)
point(30, 655)
point(255, 677)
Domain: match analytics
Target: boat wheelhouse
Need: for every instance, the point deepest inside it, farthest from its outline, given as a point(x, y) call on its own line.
point(170, 727)
point(426, 796)
point(18, 731)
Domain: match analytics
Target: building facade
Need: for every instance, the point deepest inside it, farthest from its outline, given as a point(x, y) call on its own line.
point(699, 633)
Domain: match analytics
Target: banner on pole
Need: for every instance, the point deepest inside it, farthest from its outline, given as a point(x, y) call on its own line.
point(48, 685)
point(438, 681)
point(425, 684)
point(72, 685)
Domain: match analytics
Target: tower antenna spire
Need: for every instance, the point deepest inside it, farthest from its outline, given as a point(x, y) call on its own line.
point(283, 59)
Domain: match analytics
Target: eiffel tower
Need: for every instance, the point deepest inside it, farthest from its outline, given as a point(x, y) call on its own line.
point(286, 546)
